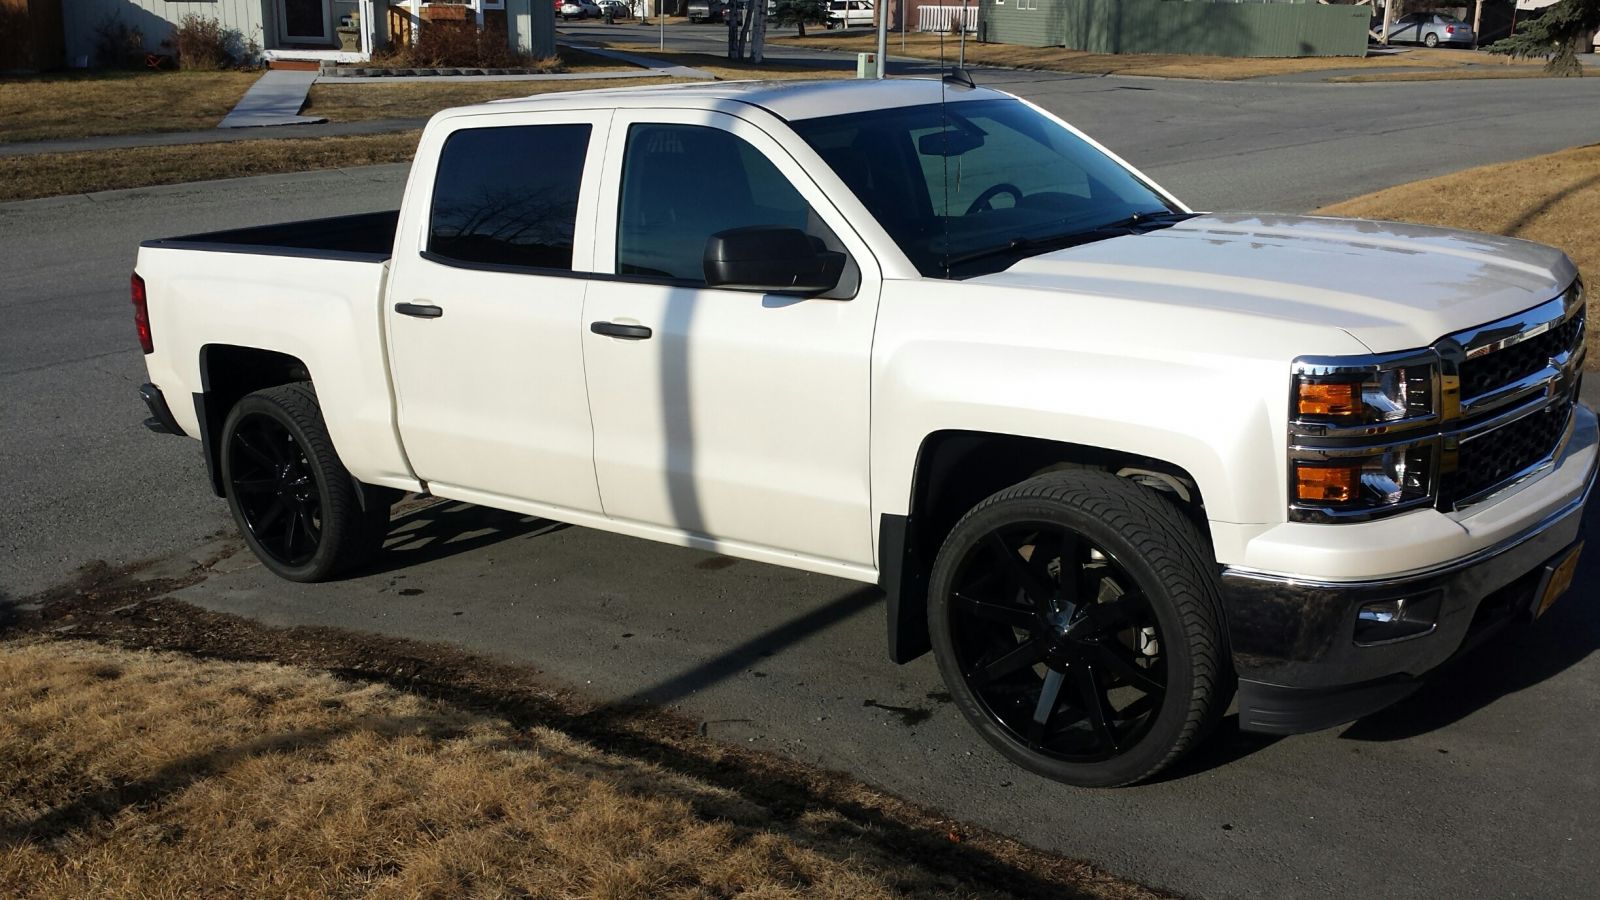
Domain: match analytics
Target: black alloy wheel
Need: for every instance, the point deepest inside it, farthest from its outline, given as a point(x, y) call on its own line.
point(279, 499)
point(298, 508)
point(1077, 624)
point(1059, 647)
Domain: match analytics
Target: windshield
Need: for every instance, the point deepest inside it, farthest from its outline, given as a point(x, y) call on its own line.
point(969, 187)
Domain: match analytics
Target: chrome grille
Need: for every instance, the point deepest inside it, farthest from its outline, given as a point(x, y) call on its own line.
point(1495, 457)
point(1496, 370)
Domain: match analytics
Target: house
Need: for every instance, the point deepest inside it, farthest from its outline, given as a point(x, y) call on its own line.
point(299, 30)
point(1212, 27)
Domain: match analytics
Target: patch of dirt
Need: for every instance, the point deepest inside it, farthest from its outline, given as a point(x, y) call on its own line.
point(129, 608)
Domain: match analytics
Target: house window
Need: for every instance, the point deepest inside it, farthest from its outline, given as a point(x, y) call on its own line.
point(509, 195)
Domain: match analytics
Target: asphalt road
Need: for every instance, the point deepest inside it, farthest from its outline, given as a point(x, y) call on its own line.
point(1483, 785)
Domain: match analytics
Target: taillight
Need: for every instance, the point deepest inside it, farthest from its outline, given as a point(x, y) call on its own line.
point(1449, 29)
point(141, 314)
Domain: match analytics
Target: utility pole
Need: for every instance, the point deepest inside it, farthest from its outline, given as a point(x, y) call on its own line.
point(883, 37)
point(1477, 21)
point(758, 37)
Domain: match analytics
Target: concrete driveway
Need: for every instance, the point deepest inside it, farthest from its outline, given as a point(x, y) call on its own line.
point(1481, 785)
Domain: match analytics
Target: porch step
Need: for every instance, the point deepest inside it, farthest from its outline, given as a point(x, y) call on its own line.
point(294, 65)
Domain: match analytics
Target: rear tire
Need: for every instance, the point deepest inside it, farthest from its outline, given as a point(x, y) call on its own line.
point(1077, 623)
point(1431, 40)
point(296, 505)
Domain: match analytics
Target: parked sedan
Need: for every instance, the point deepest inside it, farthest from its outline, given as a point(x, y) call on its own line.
point(1430, 29)
point(577, 9)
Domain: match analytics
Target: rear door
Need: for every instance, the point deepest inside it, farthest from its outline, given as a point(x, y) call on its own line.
point(484, 309)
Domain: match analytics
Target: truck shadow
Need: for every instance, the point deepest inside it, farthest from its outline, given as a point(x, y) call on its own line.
point(447, 528)
point(1521, 657)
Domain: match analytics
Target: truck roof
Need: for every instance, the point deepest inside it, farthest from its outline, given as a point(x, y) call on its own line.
point(790, 100)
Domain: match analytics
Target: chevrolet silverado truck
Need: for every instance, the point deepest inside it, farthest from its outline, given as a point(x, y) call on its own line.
point(1114, 462)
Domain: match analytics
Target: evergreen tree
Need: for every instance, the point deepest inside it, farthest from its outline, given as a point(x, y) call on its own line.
point(801, 13)
point(1561, 33)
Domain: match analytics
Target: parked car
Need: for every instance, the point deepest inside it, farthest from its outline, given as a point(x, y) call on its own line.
point(1113, 461)
point(615, 8)
point(706, 11)
point(578, 9)
point(849, 13)
point(1430, 29)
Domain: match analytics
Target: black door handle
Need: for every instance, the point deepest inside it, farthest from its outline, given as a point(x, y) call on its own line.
point(626, 332)
point(419, 310)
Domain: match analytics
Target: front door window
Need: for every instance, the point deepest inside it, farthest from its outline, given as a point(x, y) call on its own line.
point(303, 20)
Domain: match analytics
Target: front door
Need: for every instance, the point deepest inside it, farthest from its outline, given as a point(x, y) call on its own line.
point(737, 419)
point(304, 21)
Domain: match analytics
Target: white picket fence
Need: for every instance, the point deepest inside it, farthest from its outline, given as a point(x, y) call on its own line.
point(939, 18)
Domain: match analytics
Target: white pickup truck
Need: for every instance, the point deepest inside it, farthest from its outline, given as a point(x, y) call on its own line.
point(1110, 459)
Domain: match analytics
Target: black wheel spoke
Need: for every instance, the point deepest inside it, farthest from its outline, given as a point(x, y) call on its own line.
point(1119, 661)
point(304, 518)
point(1023, 655)
point(273, 511)
point(255, 485)
point(1113, 615)
point(1092, 698)
point(254, 450)
point(1003, 613)
point(1038, 588)
point(1045, 710)
point(289, 533)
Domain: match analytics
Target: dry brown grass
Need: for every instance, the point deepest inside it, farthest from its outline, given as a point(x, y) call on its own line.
point(46, 107)
point(140, 774)
point(1552, 199)
point(52, 174)
point(1169, 65)
point(361, 100)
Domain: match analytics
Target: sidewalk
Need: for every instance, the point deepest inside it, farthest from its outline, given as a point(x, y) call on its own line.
point(271, 108)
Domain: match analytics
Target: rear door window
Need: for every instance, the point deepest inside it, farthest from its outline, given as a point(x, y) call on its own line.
point(508, 196)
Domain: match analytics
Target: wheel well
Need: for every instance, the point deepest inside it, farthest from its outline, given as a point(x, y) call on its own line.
point(227, 374)
point(956, 470)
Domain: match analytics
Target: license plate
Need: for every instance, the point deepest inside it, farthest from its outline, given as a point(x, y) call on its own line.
point(1560, 580)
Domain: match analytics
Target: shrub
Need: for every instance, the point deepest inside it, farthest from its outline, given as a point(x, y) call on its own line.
point(450, 44)
point(117, 46)
point(202, 43)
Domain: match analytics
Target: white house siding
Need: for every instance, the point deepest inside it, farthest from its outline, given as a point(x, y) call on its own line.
point(156, 19)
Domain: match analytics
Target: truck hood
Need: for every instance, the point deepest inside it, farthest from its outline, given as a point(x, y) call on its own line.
point(1390, 286)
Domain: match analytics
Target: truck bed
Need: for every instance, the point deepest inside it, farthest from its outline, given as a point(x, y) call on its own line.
point(365, 237)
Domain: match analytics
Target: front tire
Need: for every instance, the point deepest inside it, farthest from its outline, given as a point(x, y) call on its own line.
point(296, 505)
point(1077, 624)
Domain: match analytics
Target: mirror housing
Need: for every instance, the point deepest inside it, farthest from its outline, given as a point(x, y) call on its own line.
point(771, 259)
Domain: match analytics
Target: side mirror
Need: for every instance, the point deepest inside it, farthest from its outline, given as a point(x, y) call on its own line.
point(772, 260)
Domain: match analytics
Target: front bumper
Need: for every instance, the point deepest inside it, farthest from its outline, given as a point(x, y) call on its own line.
point(1294, 640)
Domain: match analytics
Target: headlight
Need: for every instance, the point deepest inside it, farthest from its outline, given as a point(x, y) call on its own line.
point(1338, 406)
point(1364, 395)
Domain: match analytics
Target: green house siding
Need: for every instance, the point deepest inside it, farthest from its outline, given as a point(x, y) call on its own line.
point(1179, 26)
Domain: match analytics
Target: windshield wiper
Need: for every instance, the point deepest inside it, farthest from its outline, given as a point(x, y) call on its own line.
point(1138, 223)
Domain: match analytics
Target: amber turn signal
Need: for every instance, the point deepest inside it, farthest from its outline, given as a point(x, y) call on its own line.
point(1328, 399)
point(1327, 484)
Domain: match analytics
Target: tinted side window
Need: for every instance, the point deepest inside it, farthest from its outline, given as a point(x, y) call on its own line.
point(509, 195)
point(683, 183)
